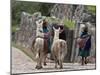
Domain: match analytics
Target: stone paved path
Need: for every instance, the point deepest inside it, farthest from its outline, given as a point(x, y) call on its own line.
point(21, 63)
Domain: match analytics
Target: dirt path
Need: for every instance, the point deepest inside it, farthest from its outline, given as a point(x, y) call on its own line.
point(21, 63)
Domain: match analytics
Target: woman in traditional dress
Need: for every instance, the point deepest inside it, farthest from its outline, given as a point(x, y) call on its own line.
point(46, 35)
point(84, 45)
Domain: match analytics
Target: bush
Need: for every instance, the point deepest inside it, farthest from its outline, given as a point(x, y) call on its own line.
point(52, 20)
point(91, 9)
point(69, 23)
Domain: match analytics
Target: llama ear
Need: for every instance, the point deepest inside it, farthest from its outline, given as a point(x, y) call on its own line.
point(53, 28)
point(41, 22)
point(59, 28)
point(36, 22)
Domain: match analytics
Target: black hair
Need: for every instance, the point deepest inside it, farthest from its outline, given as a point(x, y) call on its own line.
point(86, 29)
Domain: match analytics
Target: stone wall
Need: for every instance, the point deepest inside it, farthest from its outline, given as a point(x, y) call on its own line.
point(62, 11)
point(27, 29)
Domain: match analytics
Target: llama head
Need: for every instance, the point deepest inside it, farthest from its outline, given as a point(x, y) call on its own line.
point(39, 29)
point(39, 23)
point(56, 32)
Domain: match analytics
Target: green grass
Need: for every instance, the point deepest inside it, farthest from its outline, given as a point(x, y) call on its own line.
point(52, 20)
point(69, 23)
point(92, 9)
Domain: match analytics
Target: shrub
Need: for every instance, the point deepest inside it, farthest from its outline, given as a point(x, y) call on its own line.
point(69, 23)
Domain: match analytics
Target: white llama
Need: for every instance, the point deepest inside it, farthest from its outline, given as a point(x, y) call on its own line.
point(39, 45)
point(58, 49)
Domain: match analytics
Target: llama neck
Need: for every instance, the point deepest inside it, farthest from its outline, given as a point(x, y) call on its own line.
point(56, 38)
point(39, 32)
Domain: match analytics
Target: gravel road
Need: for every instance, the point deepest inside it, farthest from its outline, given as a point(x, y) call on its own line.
point(21, 63)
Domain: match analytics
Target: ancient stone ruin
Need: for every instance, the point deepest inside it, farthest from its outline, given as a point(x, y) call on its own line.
point(26, 33)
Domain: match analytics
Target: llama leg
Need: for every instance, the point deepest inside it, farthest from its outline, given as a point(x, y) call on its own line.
point(38, 58)
point(39, 62)
point(45, 55)
point(56, 64)
point(60, 63)
point(60, 57)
